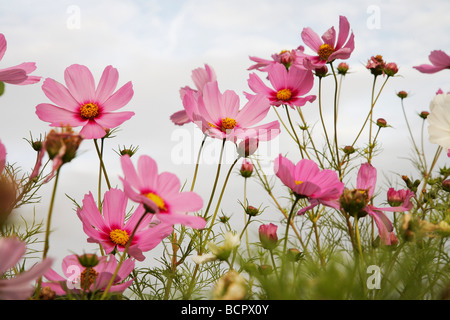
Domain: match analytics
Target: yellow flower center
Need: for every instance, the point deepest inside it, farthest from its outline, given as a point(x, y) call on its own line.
point(157, 200)
point(89, 110)
point(228, 124)
point(325, 51)
point(298, 182)
point(284, 94)
point(119, 237)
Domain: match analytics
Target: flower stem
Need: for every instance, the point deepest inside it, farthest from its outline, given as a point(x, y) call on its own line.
point(102, 164)
point(336, 88)
point(289, 222)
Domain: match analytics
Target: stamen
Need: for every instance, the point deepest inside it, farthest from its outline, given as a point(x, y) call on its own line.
point(119, 237)
point(325, 51)
point(284, 94)
point(297, 182)
point(157, 200)
point(89, 110)
point(228, 124)
point(86, 279)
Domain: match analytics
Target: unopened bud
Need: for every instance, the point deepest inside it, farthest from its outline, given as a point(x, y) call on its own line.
point(247, 147)
point(268, 236)
point(354, 201)
point(342, 68)
point(381, 123)
point(252, 211)
point(294, 255)
point(321, 72)
point(246, 168)
point(424, 114)
point(390, 69)
point(348, 150)
point(88, 260)
point(402, 94)
point(446, 185)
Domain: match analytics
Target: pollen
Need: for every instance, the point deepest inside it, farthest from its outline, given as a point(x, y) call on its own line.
point(297, 182)
point(284, 94)
point(87, 278)
point(325, 51)
point(157, 200)
point(119, 237)
point(89, 110)
point(228, 124)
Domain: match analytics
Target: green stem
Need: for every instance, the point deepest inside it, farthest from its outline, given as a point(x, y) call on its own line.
point(323, 121)
point(291, 213)
point(293, 130)
point(358, 239)
point(335, 118)
point(102, 164)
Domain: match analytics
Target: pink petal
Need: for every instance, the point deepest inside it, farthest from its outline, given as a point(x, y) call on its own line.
point(11, 251)
point(90, 214)
point(80, 82)
point(367, 178)
point(2, 45)
point(344, 28)
point(168, 184)
point(329, 37)
point(130, 172)
point(311, 39)
point(13, 76)
point(194, 222)
point(211, 107)
point(60, 95)
point(111, 120)
point(92, 130)
point(439, 58)
point(107, 84)
point(180, 118)
point(114, 208)
point(58, 116)
point(120, 98)
point(148, 172)
point(254, 111)
point(186, 202)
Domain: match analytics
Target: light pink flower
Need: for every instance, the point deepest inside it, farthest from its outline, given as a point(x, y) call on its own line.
point(81, 103)
point(439, 61)
point(219, 115)
point(18, 74)
point(200, 77)
point(77, 279)
point(19, 287)
point(366, 180)
point(110, 229)
point(307, 181)
point(328, 48)
point(288, 86)
point(285, 57)
point(160, 193)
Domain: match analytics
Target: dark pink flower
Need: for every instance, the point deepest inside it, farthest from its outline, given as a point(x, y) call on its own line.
point(84, 104)
point(285, 57)
point(160, 193)
point(19, 287)
point(439, 61)
point(366, 181)
point(307, 181)
point(328, 47)
point(288, 86)
point(200, 77)
point(111, 231)
point(18, 74)
point(78, 278)
point(400, 198)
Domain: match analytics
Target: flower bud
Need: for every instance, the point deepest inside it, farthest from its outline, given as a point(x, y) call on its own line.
point(424, 114)
point(446, 185)
point(129, 151)
point(402, 94)
point(381, 123)
point(231, 286)
point(321, 72)
point(342, 68)
point(294, 255)
point(63, 145)
point(252, 211)
point(268, 236)
point(354, 201)
point(246, 168)
point(223, 251)
point(88, 260)
point(247, 147)
point(348, 150)
point(265, 269)
point(400, 197)
point(390, 69)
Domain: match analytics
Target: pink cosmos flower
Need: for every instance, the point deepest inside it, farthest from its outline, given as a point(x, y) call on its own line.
point(200, 77)
point(328, 48)
point(18, 288)
point(160, 193)
point(84, 104)
point(78, 278)
point(401, 197)
point(366, 180)
point(219, 116)
point(268, 236)
point(285, 57)
point(439, 61)
point(110, 229)
point(288, 86)
point(307, 181)
point(18, 74)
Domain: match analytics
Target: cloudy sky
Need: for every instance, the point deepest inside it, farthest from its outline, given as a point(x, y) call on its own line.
point(156, 45)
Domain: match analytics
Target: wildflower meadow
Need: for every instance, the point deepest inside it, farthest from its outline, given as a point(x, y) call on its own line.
point(314, 217)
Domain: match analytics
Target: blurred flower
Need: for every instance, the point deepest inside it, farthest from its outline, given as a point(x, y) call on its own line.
point(2, 156)
point(83, 104)
point(439, 61)
point(200, 76)
point(18, 287)
point(219, 116)
point(288, 86)
point(223, 251)
point(247, 147)
point(231, 286)
point(390, 69)
point(268, 236)
point(321, 71)
point(402, 94)
point(366, 181)
point(342, 68)
point(112, 232)
point(78, 278)
point(307, 181)
point(246, 168)
point(18, 74)
point(439, 120)
point(328, 48)
point(424, 114)
point(160, 193)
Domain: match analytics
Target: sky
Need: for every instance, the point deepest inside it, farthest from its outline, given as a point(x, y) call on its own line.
point(156, 45)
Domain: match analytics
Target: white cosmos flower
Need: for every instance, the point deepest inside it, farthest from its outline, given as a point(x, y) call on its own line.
point(439, 120)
